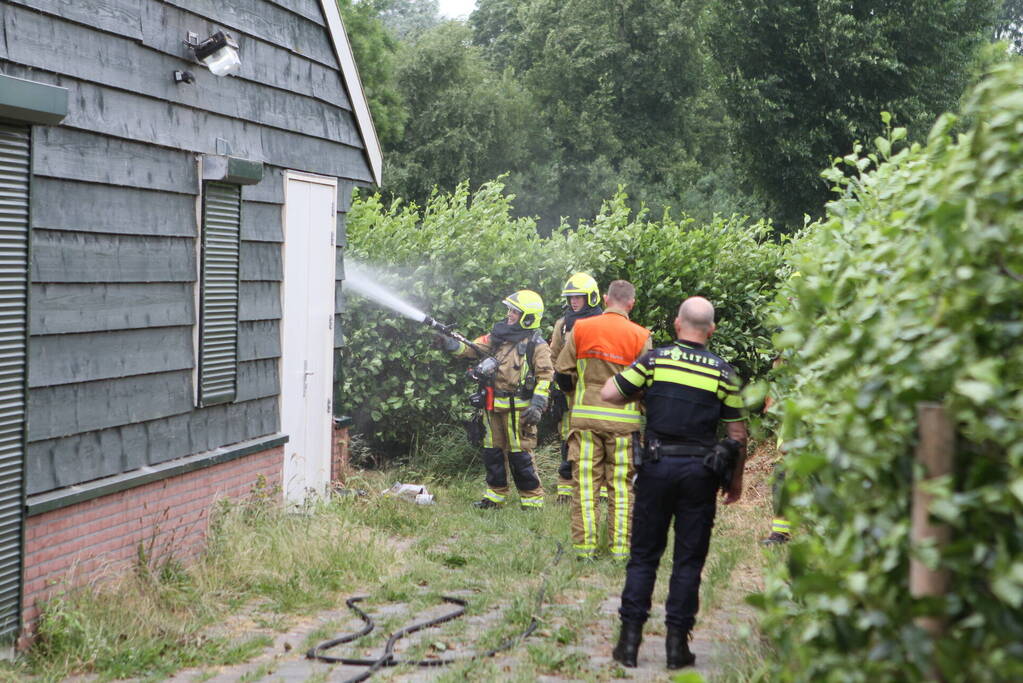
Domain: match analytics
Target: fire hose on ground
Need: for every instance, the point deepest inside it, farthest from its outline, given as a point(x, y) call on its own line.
point(388, 659)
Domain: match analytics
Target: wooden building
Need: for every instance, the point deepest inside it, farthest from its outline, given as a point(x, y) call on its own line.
point(171, 248)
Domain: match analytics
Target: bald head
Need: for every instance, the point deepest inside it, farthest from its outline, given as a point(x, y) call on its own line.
point(695, 320)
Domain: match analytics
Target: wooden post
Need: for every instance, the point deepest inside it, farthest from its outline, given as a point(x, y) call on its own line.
point(935, 453)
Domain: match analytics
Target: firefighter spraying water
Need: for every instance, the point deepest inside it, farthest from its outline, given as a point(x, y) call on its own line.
point(358, 279)
point(513, 373)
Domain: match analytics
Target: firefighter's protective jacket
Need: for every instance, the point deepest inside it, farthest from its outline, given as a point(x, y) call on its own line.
point(598, 348)
point(558, 338)
point(514, 369)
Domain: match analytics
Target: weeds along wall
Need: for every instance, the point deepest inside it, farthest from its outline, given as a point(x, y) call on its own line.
point(460, 255)
point(909, 290)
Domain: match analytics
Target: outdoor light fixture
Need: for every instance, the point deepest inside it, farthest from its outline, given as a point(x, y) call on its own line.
point(219, 53)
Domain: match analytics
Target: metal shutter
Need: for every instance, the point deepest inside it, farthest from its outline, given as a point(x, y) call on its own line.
point(14, 177)
point(218, 332)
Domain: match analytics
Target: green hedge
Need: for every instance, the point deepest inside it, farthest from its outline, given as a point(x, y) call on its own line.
point(456, 258)
point(909, 290)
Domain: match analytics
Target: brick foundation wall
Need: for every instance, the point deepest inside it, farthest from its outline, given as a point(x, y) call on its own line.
point(339, 455)
point(102, 537)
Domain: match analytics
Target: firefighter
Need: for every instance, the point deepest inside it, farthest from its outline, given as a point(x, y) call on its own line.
point(602, 434)
point(781, 528)
point(516, 393)
point(582, 296)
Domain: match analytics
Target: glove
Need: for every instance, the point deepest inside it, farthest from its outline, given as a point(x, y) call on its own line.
point(446, 343)
point(531, 415)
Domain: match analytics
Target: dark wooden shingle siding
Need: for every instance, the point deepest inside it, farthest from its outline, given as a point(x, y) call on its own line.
point(114, 202)
point(344, 202)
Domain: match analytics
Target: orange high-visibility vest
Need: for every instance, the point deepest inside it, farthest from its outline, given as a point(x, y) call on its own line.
point(610, 337)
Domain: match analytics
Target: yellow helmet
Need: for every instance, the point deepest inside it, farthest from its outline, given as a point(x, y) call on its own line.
point(529, 304)
point(582, 284)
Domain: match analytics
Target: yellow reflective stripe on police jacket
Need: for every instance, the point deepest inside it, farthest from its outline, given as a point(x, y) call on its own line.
point(685, 378)
point(729, 395)
point(734, 401)
point(636, 375)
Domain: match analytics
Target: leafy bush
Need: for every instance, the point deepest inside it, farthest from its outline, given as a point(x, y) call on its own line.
point(908, 291)
point(728, 260)
point(455, 261)
point(459, 256)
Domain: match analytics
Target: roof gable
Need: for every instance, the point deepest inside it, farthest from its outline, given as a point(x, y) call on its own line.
point(353, 83)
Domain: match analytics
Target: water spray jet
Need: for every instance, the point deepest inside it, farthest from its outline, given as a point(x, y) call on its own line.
point(359, 280)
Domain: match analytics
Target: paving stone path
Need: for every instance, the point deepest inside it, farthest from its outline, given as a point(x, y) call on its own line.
point(284, 661)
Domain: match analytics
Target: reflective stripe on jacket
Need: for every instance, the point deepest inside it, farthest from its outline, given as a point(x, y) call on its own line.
point(513, 369)
point(688, 391)
point(595, 349)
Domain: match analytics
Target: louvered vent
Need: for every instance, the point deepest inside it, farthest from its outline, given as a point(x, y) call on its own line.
point(14, 177)
point(218, 333)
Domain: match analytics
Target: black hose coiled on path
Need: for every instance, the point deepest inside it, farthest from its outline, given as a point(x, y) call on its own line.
point(388, 659)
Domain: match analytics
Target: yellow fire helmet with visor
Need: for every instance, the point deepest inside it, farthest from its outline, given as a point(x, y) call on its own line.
point(582, 284)
point(529, 304)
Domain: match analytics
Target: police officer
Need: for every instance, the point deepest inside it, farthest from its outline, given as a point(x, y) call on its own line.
point(688, 391)
point(582, 299)
point(600, 438)
point(516, 396)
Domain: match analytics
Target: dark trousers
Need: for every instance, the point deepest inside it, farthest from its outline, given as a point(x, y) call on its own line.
point(676, 487)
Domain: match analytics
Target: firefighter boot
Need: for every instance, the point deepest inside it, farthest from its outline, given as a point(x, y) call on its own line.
point(780, 530)
point(775, 539)
point(676, 646)
point(526, 481)
point(627, 649)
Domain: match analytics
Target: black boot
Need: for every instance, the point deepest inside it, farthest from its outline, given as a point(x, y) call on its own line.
point(627, 648)
point(676, 645)
point(776, 538)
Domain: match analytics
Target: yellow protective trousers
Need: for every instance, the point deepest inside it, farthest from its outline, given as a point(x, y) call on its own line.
point(566, 487)
point(508, 444)
point(600, 459)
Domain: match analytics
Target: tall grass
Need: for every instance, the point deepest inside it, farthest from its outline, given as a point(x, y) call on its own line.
point(275, 564)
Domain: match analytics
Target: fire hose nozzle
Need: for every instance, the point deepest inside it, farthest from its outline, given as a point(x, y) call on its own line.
point(449, 331)
point(437, 325)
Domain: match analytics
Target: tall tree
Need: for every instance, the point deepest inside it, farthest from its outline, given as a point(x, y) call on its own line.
point(615, 81)
point(375, 48)
point(804, 79)
point(1010, 24)
point(470, 121)
point(407, 19)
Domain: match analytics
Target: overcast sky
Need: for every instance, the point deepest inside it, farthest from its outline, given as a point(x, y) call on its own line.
point(454, 9)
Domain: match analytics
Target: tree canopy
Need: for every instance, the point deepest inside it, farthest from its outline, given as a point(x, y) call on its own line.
point(697, 106)
point(804, 79)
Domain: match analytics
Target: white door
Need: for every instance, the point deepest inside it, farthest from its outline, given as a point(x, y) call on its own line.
point(307, 334)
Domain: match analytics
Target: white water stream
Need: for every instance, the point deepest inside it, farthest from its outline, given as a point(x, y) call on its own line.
point(358, 278)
